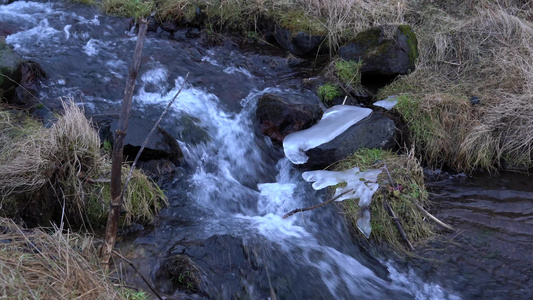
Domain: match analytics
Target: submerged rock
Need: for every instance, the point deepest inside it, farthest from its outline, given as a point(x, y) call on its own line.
point(378, 131)
point(385, 50)
point(277, 118)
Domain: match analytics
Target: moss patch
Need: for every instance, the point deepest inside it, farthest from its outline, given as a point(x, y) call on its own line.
point(329, 91)
point(412, 43)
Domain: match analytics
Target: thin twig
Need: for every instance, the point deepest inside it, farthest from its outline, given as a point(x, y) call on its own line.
point(315, 206)
point(393, 215)
point(150, 134)
point(139, 273)
point(398, 225)
point(432, 217)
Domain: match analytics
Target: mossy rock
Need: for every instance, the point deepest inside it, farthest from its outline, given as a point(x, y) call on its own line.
point(9, 65)
point(387, 50)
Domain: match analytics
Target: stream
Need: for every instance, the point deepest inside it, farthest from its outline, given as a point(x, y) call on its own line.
point(227, 198)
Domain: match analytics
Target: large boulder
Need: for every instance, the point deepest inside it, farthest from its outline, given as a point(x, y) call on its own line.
point(278, 118)
point(387, 50)
point(378, 131)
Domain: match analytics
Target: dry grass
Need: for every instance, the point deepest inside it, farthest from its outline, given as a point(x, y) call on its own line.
point(405, 171)
point(479, 49)
point(35, 264)
point(67, 157)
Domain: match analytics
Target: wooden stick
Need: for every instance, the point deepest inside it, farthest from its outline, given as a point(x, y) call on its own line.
point(116, 166)
point(315, 206)
point(432, 217)
point(398, 225)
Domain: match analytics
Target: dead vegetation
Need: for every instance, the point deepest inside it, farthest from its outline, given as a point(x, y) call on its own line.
point(483, 55)
point(63, 165)
point(36, 264)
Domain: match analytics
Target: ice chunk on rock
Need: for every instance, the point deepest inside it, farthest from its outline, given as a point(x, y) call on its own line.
point(333, 123)
point(363, 184)
point(388, 103)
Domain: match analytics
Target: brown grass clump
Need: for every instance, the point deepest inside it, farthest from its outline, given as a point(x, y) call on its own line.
point(484, 52)
point(66, 159)
point(408, 177)
point(35, 264)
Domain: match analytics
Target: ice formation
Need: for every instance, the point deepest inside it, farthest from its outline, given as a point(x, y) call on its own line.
point(333, 123)
point(388, 103)
point(362, 184)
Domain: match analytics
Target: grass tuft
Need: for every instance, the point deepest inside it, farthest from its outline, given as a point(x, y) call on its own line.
point(407, 174)
point(66, 157)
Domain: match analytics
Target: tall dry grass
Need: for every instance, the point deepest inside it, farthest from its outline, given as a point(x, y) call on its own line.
point(35, 264)
point(477, 49)
point(67, 157)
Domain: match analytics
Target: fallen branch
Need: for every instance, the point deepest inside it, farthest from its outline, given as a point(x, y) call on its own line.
point(398, 225)
point(315, 206)
point(432, 217)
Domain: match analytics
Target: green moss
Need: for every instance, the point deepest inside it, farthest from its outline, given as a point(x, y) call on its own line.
point(298, 20)
point(129, 8)
point(412, 43)
point(329, 91)
point(401, 195)
point(349, 72)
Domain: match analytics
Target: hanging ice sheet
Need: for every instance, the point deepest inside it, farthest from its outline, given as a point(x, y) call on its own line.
point(333, 123)
point(363, 186)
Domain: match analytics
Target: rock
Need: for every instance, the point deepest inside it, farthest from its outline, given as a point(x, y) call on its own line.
point(381, 53)
point(9, 67)
point(161, 145)
point(153, 24)
point(277, 118)
point(299, 43)
point(378, 131)
point(32, 75)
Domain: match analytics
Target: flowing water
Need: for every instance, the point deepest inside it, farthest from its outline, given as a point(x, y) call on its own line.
point(227, 199)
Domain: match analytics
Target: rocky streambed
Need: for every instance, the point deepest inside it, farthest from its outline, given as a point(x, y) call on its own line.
point(228, 185)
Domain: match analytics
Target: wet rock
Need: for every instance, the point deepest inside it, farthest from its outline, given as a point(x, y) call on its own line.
point(32, 75)
point(299, 43)
point(153, 25)
point(156, 168)
point(385, 50)
point(9, 68)
point(378, 131)
point(169, 26)
point(161, 145)
point(278, 118)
